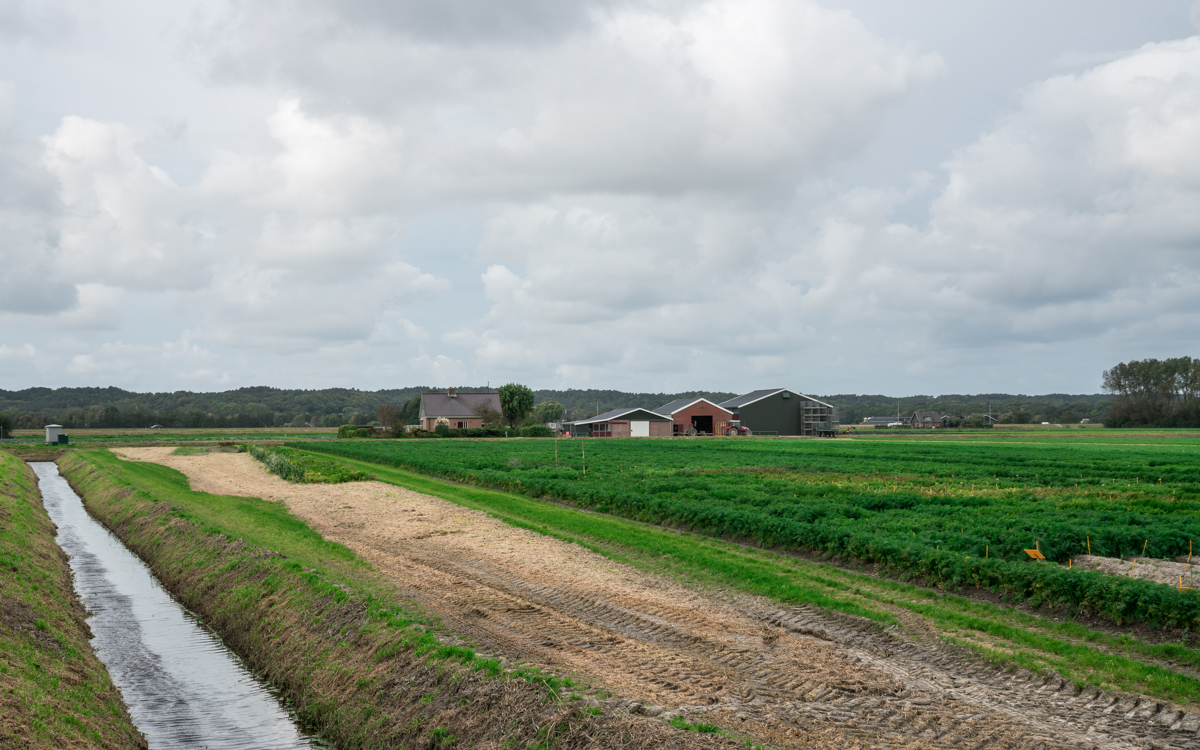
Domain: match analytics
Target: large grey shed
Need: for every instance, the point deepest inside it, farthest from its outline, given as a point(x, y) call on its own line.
point(782, 411)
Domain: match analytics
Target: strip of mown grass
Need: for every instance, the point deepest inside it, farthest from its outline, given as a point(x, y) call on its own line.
point(361, 668)
point(54, 692)
point(1084, 655)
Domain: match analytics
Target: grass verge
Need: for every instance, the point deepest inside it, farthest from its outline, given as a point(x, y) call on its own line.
point(54, 692)
point(360, 667)
point(996, 633)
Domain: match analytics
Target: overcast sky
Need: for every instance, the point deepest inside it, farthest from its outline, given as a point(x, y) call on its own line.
point(841, 196)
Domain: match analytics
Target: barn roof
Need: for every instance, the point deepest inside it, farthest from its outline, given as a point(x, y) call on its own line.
point(753, 396)
point(680, 404)
point(442, 404)
point(625, 413)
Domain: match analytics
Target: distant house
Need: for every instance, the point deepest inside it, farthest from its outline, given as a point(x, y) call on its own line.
point(687, 413)
point(462, 411)
point(622, 423)
point(929, 419)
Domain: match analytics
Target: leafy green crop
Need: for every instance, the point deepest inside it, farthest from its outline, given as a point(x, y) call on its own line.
point(300, 467)
point(953, 513)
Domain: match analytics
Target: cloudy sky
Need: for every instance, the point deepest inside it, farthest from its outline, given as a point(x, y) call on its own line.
point(840, 196)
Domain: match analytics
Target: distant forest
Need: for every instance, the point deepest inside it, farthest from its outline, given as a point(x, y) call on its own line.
point(262, 406)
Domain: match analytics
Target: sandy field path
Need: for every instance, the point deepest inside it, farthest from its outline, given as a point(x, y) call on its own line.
point(786, 675)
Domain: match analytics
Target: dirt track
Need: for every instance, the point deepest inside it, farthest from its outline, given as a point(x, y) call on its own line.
point(785, 675)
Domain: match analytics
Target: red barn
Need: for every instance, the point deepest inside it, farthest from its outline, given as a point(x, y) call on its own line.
point(701, 414)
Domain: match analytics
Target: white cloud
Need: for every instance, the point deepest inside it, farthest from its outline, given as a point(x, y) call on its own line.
point(658, 185)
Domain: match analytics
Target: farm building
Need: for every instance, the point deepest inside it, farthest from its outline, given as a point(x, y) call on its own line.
point(929, 419)
point(699, 414)
point(884, 420)
point(780, 411)
point(460, 410)
point(622, 423)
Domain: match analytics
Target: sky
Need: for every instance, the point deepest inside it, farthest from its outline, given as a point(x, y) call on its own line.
point(848, 196)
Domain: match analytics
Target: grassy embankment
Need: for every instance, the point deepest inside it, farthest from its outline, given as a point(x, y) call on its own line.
point(998, 633)
point(23, 440)
point(54, 692)
point(360, 667)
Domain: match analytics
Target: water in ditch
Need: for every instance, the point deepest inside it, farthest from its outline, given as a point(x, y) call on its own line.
point(184, 688)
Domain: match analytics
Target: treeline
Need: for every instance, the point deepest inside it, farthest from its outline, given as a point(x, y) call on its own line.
point(1154, 393)
point(1008, 408)
point(262, 406)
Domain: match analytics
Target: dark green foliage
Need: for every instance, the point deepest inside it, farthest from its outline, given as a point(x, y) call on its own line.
point(354, 431)
point(1155, 393)
point(516, 401)
point(442, 429)
point(928, 509)
point(537, 431)
point(548, 411)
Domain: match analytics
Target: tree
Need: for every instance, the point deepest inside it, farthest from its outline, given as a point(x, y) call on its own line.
point(516, 401)
point(487, 415)
point(1163, 393)
point(548, 411)
point(410, 413)
point(389, 416)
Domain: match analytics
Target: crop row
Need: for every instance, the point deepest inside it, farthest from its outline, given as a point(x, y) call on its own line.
point(295, 466)
point(961, 524)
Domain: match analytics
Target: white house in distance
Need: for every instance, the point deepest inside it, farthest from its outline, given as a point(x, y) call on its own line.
point(52, 433)
point(460, 410)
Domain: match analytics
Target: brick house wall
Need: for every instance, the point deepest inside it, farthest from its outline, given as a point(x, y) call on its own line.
point(683, 419)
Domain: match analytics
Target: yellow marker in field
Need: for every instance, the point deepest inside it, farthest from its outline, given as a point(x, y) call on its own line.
point(1036, 552)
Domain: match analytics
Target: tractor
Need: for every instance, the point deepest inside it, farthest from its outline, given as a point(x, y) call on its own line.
point(735, 428)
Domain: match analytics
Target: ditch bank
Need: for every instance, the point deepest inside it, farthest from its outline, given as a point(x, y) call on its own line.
point(54, 691)
point(358, 668)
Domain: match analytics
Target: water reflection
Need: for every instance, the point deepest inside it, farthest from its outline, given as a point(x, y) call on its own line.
point(184, 688)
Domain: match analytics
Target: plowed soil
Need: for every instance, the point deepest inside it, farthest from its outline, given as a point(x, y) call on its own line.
point(788, 676)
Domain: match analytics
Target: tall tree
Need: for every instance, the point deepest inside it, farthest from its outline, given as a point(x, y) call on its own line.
point(389, 416)
point(548, 411)
point(516, 401)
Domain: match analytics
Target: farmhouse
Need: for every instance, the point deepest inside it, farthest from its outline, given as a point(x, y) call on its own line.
point(460, 410)
point(781, 411)
point(622, 423)
point(700, 414)
point(929, 419)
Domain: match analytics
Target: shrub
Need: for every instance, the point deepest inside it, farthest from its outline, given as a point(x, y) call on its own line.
point(442, 430)
point(353, 431)
point(537, 431)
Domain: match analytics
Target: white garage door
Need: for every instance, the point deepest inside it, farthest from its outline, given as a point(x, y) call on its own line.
point(639, 429)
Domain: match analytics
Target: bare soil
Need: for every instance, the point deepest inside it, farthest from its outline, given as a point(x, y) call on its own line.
point(1167, 572)
point(788, 676)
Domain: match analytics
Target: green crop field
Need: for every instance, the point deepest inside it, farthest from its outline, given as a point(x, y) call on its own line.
point(951, 510)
